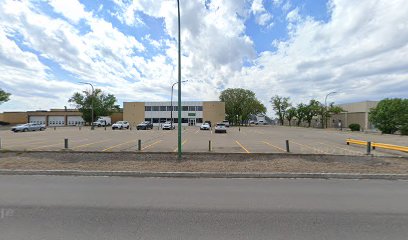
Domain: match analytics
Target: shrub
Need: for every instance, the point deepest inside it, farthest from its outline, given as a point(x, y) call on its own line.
point(3, 123)
point(354, 127)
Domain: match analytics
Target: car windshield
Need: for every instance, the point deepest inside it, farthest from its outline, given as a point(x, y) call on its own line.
point(220, 125)
point(119, 122)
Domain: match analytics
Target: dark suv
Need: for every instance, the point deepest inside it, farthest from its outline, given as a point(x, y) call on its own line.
point(144, 126)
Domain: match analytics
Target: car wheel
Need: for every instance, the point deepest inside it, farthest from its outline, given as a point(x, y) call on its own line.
point(127, 127)
point(25, 130)
point(42, 129)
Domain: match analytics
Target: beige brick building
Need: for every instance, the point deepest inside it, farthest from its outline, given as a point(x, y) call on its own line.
point(53, 117)
point(355, 113)
point(193, 112)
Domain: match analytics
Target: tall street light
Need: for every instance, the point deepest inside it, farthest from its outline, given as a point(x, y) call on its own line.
point(325, 106)
point(171, 102)
point(92, 103)
point(179, 84)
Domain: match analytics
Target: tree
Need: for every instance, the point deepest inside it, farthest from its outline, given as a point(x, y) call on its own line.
point(301, 112)
point(280, 105)
point(290, 114)
point(4, 96)
point(312, 110)
point(332, 109)
point(240, 104)
point(103, 104)
point(391, 115)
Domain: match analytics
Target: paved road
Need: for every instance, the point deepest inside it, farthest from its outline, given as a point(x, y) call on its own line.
point(49, 207)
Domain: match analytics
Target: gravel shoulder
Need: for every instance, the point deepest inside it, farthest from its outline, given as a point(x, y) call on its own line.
point(202, 162)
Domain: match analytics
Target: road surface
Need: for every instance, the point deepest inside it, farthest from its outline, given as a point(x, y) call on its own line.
point(53, 207)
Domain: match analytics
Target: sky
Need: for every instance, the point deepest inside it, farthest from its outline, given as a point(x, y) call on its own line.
point(301, 49)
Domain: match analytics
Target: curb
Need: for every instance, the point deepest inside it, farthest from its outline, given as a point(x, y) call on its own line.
point(205, 174)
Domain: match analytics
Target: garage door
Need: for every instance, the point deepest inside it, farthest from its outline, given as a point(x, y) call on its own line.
point(56, 121)
point(37, 119)
point(75, 120)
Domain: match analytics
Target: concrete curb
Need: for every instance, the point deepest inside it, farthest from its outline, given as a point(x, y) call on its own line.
point(206, 174)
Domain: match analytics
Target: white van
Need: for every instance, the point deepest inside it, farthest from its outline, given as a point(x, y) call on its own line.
point(102, 122)
point(226, 122)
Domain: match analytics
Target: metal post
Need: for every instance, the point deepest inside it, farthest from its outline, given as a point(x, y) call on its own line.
point(325, 108)
point(0, 143)
point(287, 146)
point(209, 145)
point(179, 84)
point(368, 148)
point(139, 145)
point(105, 128)
point(55, 128)
point(66, 143)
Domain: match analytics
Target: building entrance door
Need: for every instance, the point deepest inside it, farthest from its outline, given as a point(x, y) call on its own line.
point(191, 122)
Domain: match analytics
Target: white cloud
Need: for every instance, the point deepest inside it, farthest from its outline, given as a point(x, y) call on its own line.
point(360, 52)
point(71, 9)
point(262, 17)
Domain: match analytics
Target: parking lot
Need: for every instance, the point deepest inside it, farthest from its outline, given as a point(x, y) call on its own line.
point(254, 139)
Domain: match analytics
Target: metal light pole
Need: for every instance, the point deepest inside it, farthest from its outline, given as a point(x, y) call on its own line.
point(325, 106)
point(92, 103)
point(179, 83)
point(171, 102)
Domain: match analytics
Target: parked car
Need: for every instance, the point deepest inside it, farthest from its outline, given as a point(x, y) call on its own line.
point(226, 122)
point(144, 126)
point(102, 122)
point(120, 125)
point(220, 128)
point(168, 126)
point(205, 126)
point(28, 127)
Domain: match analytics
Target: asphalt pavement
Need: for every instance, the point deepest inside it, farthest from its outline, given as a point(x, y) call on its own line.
point(57, 207)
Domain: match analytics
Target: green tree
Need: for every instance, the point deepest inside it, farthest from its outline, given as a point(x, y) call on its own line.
point(290, 114)
point(331, 110)
point(312, 110)
point(391, 115)
point(280, 105)
point(301, 112)
point(4, 96)
point(242, 103)
point(103, 104)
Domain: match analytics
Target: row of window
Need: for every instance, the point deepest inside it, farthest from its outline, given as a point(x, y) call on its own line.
point(74, 123)
point(175, 108)
point(38, 122)
point(56, 122)
point(175, 120)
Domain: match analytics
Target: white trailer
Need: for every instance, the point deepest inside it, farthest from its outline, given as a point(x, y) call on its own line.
point(103, 121)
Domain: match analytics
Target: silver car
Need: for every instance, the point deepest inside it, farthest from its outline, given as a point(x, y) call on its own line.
point(220, 128)
point(28, 127)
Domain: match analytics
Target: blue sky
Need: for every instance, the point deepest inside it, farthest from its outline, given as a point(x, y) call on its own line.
point(302, 49)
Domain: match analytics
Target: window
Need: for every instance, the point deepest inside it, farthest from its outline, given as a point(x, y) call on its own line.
point(199, 108)
point(191, 108)
point(175, 108)
point(155, 120)
point(175, 120)
point(148, 120)
point(169, 108)
point(162, 108)
point(184, 108)
point(148, 108)
point(199, 120)
point(184, 120)
point(155, 108)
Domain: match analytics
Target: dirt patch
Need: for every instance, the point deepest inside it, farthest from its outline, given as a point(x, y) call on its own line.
point(201, 162)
